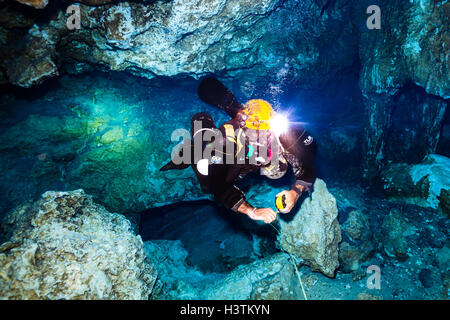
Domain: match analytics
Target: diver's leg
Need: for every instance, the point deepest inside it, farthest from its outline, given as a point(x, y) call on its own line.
point(213, 92)
point(201, 120)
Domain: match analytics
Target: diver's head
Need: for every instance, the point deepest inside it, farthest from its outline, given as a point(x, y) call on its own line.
point(256, 114)
point(259, 115)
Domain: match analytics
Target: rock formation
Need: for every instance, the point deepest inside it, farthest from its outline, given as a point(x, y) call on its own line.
point(67, 247)
point(271, 278)
point(427, 183)
point(395, 229)
point(267, 279)
point(314, 233)
point(186, 38)
point(411, 47)
point(357, 245)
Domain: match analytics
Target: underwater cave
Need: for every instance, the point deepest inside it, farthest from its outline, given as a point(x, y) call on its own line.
point(94, 95)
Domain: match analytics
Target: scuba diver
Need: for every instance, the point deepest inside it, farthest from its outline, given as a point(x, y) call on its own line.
point(256, 138)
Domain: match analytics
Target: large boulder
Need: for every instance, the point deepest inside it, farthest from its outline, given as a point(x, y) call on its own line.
point(314, 233)
point(67, 247)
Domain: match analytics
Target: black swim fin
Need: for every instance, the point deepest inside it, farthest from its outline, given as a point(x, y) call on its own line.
point(213, 92)
point(172, 166)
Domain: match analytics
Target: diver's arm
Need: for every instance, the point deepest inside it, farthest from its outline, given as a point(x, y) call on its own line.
point(233, 198)
point(301, 148)
point(265, 214)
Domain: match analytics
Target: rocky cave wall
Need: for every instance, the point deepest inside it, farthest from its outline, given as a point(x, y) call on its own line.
point(410, 49)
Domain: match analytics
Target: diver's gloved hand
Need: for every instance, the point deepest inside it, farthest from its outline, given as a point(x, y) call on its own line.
point(291, 199)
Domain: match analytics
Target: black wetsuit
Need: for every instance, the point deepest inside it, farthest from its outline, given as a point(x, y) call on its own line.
point(299, 152)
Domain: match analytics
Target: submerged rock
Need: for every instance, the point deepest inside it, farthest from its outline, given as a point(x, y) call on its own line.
point(67, 247)
point(427, 182)
point(108, 137)
point(271, 278)
point(395, 230)
point(357, 245)
point(176, 279)
point(428, 278)
point(314, 233)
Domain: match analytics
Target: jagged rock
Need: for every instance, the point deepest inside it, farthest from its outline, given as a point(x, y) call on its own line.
point(427, 182)
point(314, 233)
point(414, 134)
point(395, 230)
point(33, 61)
point(67, 247)
point(410, 47)
point(358, 243)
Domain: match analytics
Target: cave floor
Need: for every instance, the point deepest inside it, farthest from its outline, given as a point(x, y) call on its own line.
point(217, 242)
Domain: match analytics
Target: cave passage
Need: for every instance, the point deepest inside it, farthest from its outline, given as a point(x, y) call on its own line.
point(215, 238)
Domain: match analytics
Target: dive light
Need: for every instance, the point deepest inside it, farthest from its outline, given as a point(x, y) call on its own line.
point(279, 124)
point(280, 202)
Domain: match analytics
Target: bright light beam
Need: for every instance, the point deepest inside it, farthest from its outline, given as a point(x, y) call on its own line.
point(279, 124)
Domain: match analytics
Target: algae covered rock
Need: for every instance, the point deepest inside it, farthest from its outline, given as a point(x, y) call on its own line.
point(108, 138)
point(314, 233)
point(67, 247)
